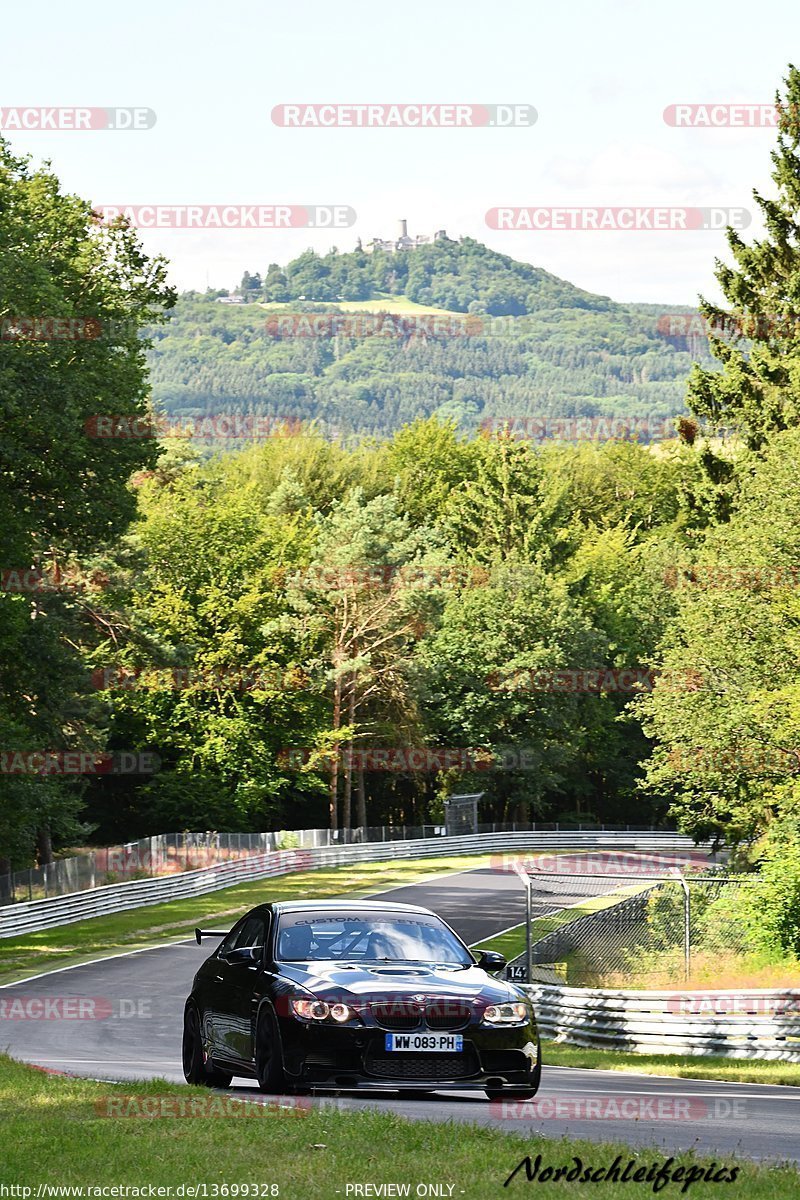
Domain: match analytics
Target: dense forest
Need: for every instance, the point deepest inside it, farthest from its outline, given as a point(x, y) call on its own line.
point(532, 346)
point(304, 632)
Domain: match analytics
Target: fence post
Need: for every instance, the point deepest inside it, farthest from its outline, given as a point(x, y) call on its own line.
point(528, 930)
point(687, 925)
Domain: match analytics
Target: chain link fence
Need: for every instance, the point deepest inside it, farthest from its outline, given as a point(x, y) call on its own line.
point(632, 926)
point(164, 854)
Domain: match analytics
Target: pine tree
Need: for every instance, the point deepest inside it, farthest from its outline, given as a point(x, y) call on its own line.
point(757, 339)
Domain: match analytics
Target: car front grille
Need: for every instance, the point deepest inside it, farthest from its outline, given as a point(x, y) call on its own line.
point(397, 1014)
point(423, 1066)
point(401, 1015)
point(447, 1014)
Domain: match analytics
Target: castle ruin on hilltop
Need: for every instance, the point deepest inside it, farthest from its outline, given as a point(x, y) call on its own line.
point(404, 242)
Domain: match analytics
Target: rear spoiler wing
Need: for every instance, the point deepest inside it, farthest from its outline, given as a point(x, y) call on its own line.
point(201, 933)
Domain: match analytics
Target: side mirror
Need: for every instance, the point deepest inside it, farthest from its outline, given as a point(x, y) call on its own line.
point(490, 960)
point(245, 956)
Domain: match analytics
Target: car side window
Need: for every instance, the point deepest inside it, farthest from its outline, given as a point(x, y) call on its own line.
point(228, 943)
point(251, 935)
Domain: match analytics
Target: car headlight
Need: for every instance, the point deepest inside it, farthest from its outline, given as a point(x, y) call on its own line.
point(506, 1014)
point(318, 1010)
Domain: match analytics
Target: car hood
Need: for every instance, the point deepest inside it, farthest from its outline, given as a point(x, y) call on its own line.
point(396, 982)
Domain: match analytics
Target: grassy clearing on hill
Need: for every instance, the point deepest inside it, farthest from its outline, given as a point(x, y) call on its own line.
point(387, 303)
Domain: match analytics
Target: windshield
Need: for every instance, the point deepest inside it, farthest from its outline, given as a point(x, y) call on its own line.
point(368, 937)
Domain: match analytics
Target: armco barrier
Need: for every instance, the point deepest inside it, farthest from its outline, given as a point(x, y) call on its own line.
point(744, 1023)
point(32, 916)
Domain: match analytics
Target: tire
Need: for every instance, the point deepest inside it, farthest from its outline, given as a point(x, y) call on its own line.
point(521, 1093)
point(195, 1070)
point(269, 1059)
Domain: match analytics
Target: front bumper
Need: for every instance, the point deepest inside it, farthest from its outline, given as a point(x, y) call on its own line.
point(356, 1056)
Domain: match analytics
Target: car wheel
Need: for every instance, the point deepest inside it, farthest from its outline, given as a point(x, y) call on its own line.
point(195, 1070)
point(269, 1065)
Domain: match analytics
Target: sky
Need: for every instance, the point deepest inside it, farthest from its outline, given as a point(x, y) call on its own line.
point(599, 76)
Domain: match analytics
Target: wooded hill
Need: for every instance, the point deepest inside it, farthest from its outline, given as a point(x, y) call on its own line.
point(524, 344)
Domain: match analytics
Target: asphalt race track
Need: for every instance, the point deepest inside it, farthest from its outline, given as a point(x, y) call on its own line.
point(135, 1032)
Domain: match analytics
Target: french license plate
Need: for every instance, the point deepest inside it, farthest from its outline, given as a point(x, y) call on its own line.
point(439, 1043)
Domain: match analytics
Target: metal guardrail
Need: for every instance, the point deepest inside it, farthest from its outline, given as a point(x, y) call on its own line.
point(174, 853)
point(147, 858)
point(33, 916)
point(747, 1023)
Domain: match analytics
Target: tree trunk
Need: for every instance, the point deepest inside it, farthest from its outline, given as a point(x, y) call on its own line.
point(337, 721)
point(348, 766)
point(362, 798)
point(348, 790)
point(44, 845)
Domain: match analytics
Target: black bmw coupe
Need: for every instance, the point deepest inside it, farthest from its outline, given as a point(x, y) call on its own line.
point(356, 995)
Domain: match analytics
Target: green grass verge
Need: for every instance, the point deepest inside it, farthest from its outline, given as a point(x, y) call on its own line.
point(511, 943)
point(730, 1070)
point(159, 923)
point(52, 1132)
